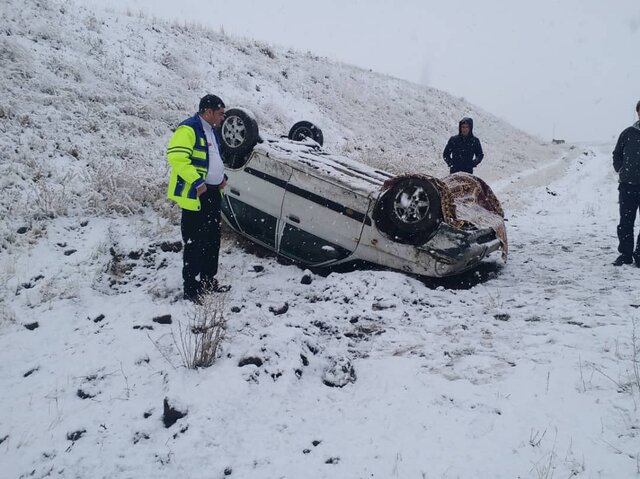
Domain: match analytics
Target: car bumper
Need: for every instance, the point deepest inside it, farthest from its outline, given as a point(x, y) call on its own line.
point(456, 250)
point(450, 251)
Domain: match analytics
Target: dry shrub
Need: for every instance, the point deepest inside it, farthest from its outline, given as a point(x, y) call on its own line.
point(200, 339)
point(51, 200)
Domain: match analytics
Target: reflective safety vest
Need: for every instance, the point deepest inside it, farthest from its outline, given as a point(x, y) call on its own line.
point(188, 155)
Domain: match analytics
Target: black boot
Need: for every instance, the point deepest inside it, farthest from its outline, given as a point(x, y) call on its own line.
point(211, 285)
point(193, 292)
point(623, 259)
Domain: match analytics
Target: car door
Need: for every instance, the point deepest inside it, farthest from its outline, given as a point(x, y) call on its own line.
point(321, 221)
point(254, 196)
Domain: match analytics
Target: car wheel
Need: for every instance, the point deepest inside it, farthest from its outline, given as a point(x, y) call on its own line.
point(306, 129)
point(409, 211)
point(239, 133)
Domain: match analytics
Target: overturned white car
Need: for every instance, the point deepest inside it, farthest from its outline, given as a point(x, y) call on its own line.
point(319, 209)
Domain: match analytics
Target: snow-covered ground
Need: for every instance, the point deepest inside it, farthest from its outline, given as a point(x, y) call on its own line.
point(521, 370)
point(524, 369)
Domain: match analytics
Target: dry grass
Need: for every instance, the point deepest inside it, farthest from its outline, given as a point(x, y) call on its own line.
point(200, 339)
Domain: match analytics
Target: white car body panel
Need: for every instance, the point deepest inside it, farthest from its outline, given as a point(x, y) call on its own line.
point(323, 205)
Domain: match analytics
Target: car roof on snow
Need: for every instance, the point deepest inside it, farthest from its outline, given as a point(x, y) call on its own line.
point(308, 157)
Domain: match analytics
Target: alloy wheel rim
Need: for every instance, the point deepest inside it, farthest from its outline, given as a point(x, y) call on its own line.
point(233, 131)
point(411, 205)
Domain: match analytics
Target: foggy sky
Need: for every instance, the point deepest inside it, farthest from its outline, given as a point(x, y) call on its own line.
point(567, 69)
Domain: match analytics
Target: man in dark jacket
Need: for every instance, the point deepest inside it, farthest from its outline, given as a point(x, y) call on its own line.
point(626, 162)
point(463, 151)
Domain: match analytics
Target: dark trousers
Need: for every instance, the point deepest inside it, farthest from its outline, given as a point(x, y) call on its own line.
point(629, 199)
point(457, 169)
point(201, 237)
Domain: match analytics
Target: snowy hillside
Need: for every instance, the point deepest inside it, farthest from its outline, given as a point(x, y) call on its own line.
point(90, 101)
point(528, 369)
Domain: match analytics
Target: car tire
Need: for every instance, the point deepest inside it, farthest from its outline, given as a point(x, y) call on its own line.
point(410, 211)
point(239, 133)
point(306, 129)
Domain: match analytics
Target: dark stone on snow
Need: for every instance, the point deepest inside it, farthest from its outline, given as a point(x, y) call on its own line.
point(69, 252)
point(171, 247)
point(502, 317)
point(83, 395)
point(171, 415)
point(181, 431)
point(147, 414)
point(251, 360)
point(364, 331)
point(98, 318)
point(62, 245)
point(135, 254)
point(228, 471)
point(306, 279)
point(381, 307)
point(32, 326)
point(305, 361)
point(578, 323)
point(332, 460)
point(258, 268)
point(2, 439)
point(27, 285)
point(321, 325)
point(142, 326)
point(75, 435)
point(235, 309)
point(139, 436)
point(84, 223)
point(278, 311)
point(306, 451)
point(298, 373)
point(30, 372)
point(316, 443)
point(164, 319)
point(339, 373)
point(22, 230)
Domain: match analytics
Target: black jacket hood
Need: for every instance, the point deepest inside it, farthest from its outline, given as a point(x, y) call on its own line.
point(468, 121)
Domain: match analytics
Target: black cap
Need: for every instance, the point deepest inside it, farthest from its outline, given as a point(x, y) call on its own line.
point(210, 101)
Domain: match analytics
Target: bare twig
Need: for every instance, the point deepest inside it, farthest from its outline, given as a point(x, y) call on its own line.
point(536, 438)
point(126, 380)
point(161, 351)
point(622, 387)
point(636, 353)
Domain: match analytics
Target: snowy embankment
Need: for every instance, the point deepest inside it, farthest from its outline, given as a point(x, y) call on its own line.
point(90, 100)
point(527, 371)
